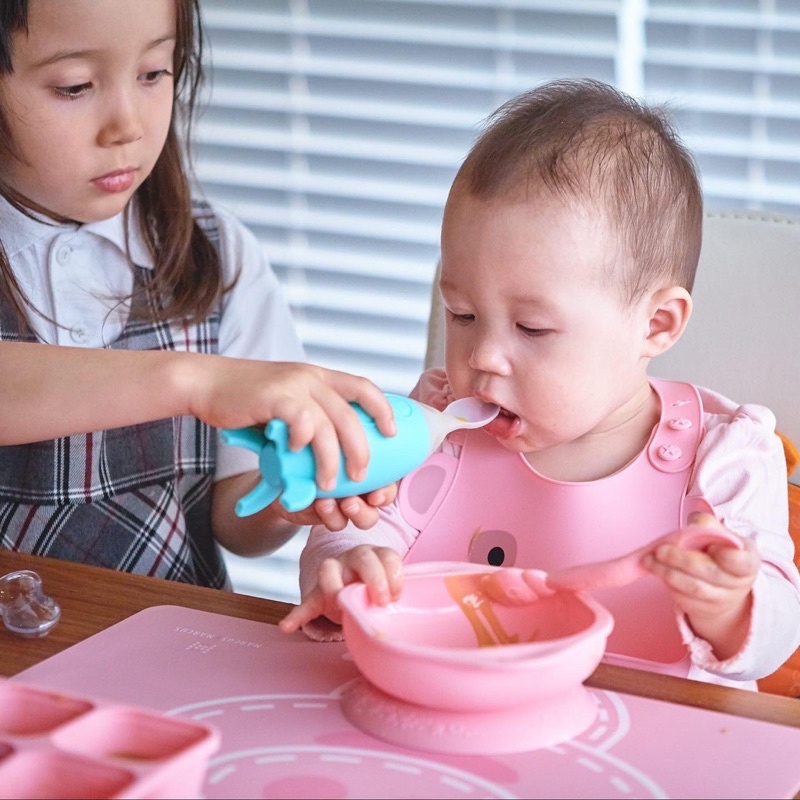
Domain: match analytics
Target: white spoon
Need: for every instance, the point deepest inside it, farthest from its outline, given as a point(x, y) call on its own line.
point(466, 413)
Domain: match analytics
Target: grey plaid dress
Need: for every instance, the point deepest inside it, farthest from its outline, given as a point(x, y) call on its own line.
point(135, 499)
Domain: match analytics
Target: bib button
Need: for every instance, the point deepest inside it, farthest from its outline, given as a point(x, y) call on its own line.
point(679, 424)
point(669, 452)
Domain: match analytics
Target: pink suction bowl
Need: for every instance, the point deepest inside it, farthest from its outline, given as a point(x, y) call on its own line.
point(447, 652)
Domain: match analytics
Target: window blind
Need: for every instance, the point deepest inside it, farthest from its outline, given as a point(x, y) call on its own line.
point(334, 128)
point(731, 71)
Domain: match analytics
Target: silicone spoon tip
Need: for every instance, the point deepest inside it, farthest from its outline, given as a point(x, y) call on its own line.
point(472, 412)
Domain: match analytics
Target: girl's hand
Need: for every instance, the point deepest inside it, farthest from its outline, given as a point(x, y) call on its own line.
point(381, 568)
point(313, 401)
point(713, 588)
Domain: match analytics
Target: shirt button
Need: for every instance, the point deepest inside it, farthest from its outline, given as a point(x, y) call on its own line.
point(63, 254)
point(79, 334)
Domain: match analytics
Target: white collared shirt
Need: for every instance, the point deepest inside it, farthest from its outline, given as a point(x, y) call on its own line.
point(74, 274)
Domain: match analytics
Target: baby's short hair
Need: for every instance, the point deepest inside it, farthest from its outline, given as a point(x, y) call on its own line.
point(584, 140)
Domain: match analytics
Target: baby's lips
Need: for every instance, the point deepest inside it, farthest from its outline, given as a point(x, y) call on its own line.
point(516, 587)
point(503, 426)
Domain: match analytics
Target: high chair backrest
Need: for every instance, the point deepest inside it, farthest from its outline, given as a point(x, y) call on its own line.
point(742, 336)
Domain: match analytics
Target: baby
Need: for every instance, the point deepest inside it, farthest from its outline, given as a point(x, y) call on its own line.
point(570, 240)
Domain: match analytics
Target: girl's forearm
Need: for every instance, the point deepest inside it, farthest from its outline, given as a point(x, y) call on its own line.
point(256, 535)
point(47, 391)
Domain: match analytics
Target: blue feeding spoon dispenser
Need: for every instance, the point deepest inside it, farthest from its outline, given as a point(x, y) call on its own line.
point(291, 475)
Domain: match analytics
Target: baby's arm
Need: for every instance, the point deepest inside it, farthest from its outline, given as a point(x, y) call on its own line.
point(380, 568)
point(330, 560)
point(712, 588)
point(741, 470)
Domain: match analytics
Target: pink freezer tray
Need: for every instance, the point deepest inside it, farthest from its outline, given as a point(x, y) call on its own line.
point(56, 745)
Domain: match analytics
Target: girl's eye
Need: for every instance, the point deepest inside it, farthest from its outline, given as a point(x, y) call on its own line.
point(72, 92)
point(155, 75)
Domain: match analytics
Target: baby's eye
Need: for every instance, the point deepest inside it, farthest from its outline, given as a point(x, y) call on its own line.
point(532, 331)
point(72, 92)
point(155, 75)
point(460, 318)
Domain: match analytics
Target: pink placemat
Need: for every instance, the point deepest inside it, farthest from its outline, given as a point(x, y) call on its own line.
point(276, 701)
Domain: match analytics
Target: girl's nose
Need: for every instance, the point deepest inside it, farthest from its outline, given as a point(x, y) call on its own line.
point(122, 123)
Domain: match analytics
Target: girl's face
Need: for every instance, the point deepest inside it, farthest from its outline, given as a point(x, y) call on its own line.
point(88, 104)
point(535, 324)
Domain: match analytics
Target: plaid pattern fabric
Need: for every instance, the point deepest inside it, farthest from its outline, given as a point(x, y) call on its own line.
point(135, 499)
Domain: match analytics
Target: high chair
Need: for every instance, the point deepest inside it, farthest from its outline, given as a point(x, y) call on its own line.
point(740, 340)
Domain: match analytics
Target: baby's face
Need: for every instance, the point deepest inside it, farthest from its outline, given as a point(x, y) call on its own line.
point(534, 323)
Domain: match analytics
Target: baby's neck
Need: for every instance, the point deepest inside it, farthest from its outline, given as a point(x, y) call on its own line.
point(601, 453)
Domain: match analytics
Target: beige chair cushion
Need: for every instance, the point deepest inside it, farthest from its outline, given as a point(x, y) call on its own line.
point(742, 336)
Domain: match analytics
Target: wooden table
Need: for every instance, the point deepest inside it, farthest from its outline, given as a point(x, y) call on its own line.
point(92, 599)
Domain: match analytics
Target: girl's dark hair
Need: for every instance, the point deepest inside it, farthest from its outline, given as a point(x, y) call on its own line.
point(584, 140)
point(187, 270)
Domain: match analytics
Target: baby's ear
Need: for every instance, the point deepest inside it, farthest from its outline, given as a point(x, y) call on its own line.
point(669, 311)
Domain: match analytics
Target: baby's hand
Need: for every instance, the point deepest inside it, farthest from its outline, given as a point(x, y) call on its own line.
point(433, 388)
point(713, 588)
point(336, 514)
point(381, 568)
